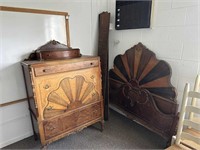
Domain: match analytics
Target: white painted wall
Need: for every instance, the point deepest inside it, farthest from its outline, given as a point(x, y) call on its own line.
point(17, 41)
point(174, 37)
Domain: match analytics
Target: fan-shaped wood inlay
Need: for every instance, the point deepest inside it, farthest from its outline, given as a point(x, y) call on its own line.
point(144, 68)
point(71, 93)
point(140, 84)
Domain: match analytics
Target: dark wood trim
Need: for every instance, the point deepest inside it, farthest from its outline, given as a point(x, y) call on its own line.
point(103, 52)
point(13, 102)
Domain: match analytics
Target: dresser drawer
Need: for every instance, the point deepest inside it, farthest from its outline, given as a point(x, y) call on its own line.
point(70, 121)
point(50, 69)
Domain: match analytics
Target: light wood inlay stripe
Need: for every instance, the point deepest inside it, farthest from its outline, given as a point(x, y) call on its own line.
point(35, 11)
point(57, 99)
point(65, 84)
point(87, 91)
point(138, 54)
point(161, 82)
point(130, 54)
point(126, 66)
point(117, 72)
point(79, 86)
point(152, 63)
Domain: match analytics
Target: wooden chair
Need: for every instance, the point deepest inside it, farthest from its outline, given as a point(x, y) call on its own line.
point(188, 134)
point(193, 101)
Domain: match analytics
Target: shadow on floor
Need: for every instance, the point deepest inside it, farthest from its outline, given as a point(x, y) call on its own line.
point(119, 133)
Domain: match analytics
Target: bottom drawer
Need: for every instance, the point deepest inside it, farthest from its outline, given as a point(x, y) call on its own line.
point(70, 121)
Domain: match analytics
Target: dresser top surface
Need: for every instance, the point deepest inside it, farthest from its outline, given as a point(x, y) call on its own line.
point(60, 61)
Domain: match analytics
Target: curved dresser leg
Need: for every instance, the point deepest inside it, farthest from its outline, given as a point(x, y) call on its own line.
point(44, 147)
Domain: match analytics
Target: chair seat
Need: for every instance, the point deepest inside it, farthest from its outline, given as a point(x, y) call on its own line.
point(192, 144)
point(188, 132)
point(177, 147)
point(193, 132)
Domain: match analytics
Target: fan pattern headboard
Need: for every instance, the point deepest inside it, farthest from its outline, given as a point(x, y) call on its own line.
point(140, 87)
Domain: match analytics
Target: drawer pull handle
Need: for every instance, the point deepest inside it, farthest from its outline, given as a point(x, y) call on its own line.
point(91, 63)
point(46, 70)
point(46, 86)
point(50, 108)
point(92, 77)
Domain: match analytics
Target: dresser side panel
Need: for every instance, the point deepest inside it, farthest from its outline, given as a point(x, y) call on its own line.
point(29, 88)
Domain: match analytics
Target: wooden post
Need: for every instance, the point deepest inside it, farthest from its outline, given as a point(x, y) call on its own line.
point(67, 30)
point(104, 22)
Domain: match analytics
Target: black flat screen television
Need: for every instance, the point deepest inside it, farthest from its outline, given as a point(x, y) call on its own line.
point(133, 14)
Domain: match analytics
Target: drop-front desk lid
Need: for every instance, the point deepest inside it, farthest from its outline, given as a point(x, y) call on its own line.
point(44, 67)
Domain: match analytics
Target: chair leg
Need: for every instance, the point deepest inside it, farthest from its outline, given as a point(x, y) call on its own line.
point(173, 140)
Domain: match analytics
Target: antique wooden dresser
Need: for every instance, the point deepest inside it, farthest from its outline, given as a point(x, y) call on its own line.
point(64, 96)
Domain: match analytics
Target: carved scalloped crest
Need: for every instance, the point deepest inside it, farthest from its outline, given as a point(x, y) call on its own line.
point(141, 76)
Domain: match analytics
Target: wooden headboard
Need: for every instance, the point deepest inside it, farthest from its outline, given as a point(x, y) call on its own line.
point(140, 88)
